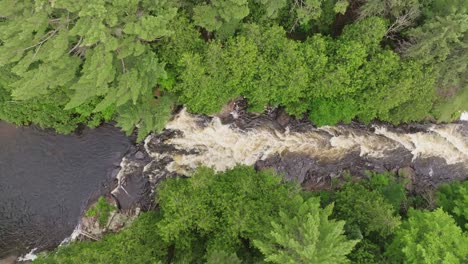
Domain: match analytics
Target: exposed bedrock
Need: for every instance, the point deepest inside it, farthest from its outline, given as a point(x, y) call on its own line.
point(428, 154)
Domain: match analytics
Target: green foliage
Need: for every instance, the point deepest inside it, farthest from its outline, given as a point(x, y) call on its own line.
point(221, 15)
point(366, 252)
point(307, 236)
point(402, 14)
point(207, 74)
point(217, 257)
point(101, 210)
point(139, 243)
point(94, 53)
point(149, 115)
point(185, 39)
point(429, 237)
point(307, 11)
point(440, 42)
point(332, 79)
point(453, 198)
point(366, 212)
point(217, 211)
point(391, 188)
point(46, 111)
point(65, 63)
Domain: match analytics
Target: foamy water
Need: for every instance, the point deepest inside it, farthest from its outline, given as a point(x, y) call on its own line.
point(222, 146)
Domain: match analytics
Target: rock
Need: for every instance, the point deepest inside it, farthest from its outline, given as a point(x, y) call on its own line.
point(9, 260)
point(283, 118)
point(139, 155)
point(228, 112)
point(117, 221)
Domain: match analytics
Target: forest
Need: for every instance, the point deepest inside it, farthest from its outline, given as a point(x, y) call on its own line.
point(68, 64)
point(245, 216)
point(65, 63)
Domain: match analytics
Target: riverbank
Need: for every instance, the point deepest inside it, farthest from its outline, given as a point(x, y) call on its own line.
point(425, 154)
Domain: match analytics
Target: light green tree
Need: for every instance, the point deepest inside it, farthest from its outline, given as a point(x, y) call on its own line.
point(221, 15)
point(429, 237)
point(306, 237)
point(93, 51)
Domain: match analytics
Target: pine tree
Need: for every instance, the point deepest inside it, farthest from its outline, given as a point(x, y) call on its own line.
point(89, 51)
point(308, 237)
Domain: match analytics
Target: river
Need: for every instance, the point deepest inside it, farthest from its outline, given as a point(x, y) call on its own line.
point(47, 180)
point(428, 154)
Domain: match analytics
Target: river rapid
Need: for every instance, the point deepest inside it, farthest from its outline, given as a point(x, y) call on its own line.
point(47, 180)
point(427, 154)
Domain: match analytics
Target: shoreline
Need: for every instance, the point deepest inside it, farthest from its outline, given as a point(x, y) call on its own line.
point(134, 183)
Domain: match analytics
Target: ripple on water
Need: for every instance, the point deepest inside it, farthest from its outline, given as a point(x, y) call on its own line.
point(46, 181)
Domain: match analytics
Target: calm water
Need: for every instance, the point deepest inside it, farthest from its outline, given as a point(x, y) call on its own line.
point(46, 180)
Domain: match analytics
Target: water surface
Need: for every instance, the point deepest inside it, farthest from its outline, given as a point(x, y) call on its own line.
point(46, 181)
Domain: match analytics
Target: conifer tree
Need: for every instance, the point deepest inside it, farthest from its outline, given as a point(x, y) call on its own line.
point(87, 50)
point(307, 237)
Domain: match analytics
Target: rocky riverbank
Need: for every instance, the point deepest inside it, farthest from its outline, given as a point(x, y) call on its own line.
point(425, 154)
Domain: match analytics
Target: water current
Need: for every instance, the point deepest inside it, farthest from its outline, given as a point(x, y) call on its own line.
point(47, 180)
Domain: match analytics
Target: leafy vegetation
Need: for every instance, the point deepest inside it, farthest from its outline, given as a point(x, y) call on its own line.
point(429, 237)
point(248, 216)
point(307, 236)
point(453, 198)
point(101, 210)
point(140, 243)
point(69, 63)
point(64, 63)
point(91, 58)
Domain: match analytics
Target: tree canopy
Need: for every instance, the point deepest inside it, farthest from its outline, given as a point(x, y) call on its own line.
point(248, 216)
point(429, 237)
point(64, 63)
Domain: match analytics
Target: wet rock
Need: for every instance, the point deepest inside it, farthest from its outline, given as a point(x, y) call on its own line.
point(139, 155)
point(283, 118)
point(229, 112)
point(91, 229)
point(434, 171)
point(9, 260)
point(292, 167)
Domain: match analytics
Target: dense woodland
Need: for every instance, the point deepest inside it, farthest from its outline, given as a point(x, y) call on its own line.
point(245, 216)
point(64, 64)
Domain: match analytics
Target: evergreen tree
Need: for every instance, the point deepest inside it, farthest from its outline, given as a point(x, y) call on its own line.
point(86, 51)
point(306, 237)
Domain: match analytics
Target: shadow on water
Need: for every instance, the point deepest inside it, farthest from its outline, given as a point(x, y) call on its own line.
point(46, 181)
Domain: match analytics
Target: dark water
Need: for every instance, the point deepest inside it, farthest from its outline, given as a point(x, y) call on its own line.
point(46, 181)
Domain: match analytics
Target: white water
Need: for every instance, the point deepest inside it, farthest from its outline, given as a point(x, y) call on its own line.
point(28, 257)
point(464, 116)
point(222, 147)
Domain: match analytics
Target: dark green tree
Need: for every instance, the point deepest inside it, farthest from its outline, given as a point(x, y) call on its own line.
point(453, 198)
point(212, 212)
point(366, 212)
